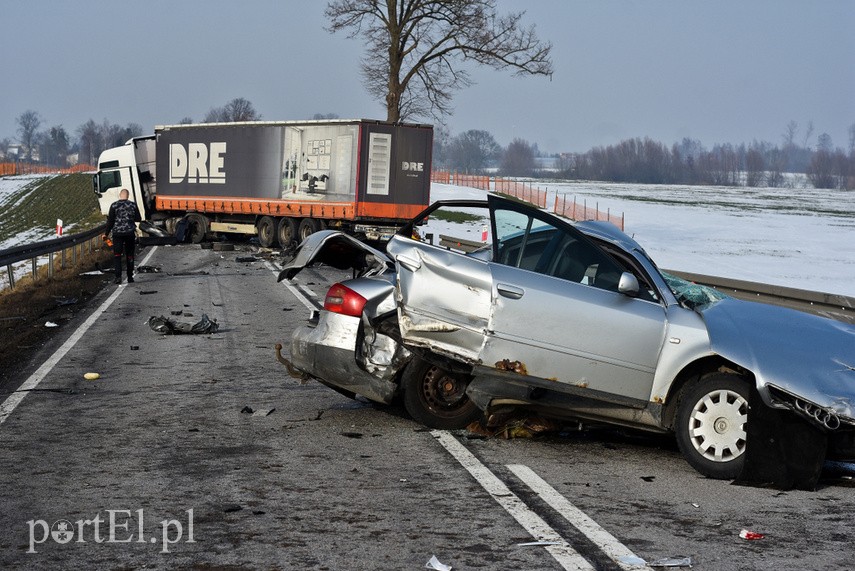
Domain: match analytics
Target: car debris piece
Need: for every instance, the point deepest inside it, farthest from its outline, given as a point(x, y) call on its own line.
point(91, 376)
point(538, 543)
point(148, 292)
point(60, 301)
point(167, 326)
point(246, 259)
point(527, 427)
point(149, 269)
point(51, 324)
point(750, 535)
point(436, 565)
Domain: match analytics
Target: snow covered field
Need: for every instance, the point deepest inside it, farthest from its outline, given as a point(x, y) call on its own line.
point(802, 238)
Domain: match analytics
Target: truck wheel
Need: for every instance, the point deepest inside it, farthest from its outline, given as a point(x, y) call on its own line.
point(711, 420)
point(286, 232)
point(197, 227)
point(436, 397)
point(308, 226)
point(266, 231)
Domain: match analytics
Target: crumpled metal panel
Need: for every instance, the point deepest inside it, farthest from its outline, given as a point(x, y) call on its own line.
point(444, 298)
point(326, 352)
point(805, 355)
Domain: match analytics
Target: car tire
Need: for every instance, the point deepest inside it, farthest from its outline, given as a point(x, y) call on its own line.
point(711, 425)
point(436, 397)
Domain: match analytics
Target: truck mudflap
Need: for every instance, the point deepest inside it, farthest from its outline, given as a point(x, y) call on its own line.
point(783, 451)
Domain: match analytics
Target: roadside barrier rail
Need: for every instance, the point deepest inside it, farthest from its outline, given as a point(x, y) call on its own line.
point(13, 169)
point(33, 252)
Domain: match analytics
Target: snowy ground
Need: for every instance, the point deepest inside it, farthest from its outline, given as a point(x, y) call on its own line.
point(802, 238)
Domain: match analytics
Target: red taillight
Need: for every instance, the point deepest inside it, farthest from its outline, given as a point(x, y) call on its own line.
point(342, 299)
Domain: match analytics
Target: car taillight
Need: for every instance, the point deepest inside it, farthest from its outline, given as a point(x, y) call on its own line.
point(342, 299)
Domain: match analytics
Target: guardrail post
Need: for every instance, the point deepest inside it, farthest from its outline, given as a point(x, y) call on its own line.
point(62, 263)
point(11, 276)
point(35, 268)
point(50, 266)
point(74, 255)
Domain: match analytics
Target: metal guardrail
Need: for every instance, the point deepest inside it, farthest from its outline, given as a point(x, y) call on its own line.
point(34, 251)
point(839, 307)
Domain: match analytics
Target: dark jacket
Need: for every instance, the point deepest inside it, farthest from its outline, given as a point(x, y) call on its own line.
point(122, 218)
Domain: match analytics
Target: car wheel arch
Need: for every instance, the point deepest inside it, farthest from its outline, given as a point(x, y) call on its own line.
point(694, 371)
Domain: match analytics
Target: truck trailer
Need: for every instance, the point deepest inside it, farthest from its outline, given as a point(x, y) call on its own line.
point(279, 180)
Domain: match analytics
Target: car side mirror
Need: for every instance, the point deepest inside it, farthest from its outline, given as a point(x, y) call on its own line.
point(628, 285)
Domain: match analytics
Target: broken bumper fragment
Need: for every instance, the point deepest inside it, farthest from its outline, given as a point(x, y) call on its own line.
point(325, 352)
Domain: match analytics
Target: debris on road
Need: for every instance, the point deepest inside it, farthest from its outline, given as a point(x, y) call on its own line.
point(246, 410)
point(527, 427)
point(750, 535)
point(149, 270)
point(246, 259)
point(92, 376)
point(148, 292)
point(60, 301)
point(435, 564)
point(51, 324)
point(539, 543)
point(167, 326)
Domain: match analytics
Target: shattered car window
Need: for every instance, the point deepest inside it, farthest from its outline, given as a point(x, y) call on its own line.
point(692, 294)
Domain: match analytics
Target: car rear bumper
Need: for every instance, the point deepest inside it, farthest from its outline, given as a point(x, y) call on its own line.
point(327, 352)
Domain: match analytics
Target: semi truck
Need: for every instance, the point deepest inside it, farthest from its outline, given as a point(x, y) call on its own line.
point(280, 181)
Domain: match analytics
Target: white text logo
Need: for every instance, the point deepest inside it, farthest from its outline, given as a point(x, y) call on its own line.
point(197, 163)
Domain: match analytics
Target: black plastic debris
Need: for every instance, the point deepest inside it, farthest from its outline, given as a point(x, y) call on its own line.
point(168, 326)
point(149, 269)
point(60, 301)
point(148, 292)
point(246, 259)
point(247, 410)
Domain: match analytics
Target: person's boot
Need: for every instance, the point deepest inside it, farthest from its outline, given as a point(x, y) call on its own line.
point(117, 262)
point(130, 268)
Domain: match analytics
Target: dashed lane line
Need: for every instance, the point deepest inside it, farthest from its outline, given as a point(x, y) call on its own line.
point(11, 403)
point(606, 542)
point(560, 550)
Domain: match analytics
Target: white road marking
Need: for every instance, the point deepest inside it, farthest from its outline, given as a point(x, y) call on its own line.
point(298, 293)
point(617, 551)
point(11, 403)
point(563, 553)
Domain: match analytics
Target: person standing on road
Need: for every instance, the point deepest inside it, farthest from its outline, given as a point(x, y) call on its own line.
point(122, 220)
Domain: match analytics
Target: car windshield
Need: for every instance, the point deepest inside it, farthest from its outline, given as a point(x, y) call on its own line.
point(692, 294)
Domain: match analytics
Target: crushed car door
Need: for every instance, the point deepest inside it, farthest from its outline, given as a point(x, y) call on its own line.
point(443, 297)
point(557, 309)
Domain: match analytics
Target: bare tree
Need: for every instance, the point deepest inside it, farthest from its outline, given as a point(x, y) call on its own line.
point(852, 139)
point(472, 150)
point(90, 142)
point(28, 126)
point(238, 109)
point(54, 148)
point(415, 48)
point(518, 159)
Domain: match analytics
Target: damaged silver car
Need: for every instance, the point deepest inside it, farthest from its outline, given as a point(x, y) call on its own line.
point(573, 320)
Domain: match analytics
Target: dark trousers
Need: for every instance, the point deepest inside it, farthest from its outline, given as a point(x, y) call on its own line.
point(126, 245)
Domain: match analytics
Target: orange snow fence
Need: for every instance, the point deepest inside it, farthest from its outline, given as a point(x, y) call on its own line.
point(10, 169)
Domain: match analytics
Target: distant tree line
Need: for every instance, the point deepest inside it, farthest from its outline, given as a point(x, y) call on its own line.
point(647, 161)
point(55, 145)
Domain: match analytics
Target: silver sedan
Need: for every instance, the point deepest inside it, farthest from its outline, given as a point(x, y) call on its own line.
point(575, 321)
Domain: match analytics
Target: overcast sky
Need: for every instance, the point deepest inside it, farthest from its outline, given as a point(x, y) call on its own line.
point(718, 71)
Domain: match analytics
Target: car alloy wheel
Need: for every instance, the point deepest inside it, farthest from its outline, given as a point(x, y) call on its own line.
point(711, 425)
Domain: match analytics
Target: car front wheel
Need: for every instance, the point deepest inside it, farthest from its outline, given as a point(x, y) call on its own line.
point(436, 397)
point(711, 425)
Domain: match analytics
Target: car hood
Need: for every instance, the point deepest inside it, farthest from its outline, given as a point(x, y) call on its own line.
point(336, 249)
point(805, 355)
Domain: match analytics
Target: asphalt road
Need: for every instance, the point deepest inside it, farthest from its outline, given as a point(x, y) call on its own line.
point(154, 464)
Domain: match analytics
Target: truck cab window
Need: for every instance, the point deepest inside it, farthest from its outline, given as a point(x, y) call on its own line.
point(109, 179)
